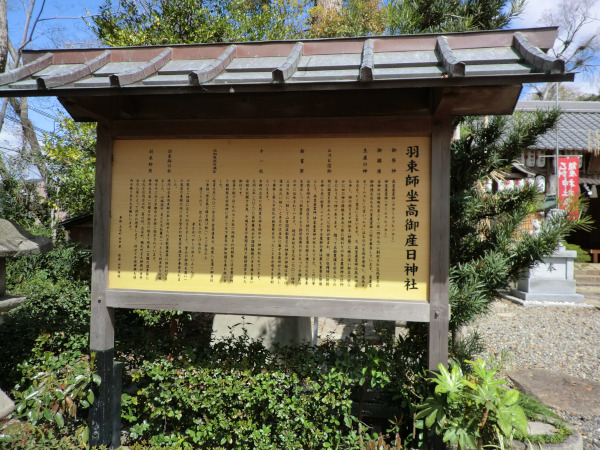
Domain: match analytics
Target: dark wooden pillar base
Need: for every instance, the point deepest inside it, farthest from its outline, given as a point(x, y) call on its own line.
point(105, 414)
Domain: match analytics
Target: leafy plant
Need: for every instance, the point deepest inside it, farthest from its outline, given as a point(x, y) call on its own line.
point(471, 411)
point(181, 404)
point(536, 411)
point(488, 247)
point(56, 314)
point(54, 394)
point(71, 157)
point(378, 443)
point(25, 436)
point(582, 255)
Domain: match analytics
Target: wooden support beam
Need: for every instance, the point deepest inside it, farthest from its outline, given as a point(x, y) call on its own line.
point(289, 66)
point(272, 128)
point(102, 331)
point(444, 100)
point(440, 239)
point(353, 308)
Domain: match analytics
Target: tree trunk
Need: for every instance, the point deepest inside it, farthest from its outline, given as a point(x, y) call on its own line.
point(3, 36)
point(35, 150)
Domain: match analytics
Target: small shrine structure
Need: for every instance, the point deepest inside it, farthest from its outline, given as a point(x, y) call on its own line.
point(282, 178)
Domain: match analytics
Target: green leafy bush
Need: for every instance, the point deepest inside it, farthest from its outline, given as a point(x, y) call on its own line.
point(24, 436)
point(56, 285)
point(236, 394)
point(472, 410)
point(55, 392)
point(582, 255)
point(46, 367)
point(180, 404)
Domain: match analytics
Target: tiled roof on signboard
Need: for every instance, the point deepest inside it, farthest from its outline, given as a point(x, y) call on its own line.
point(578, 125)
point(455, 59)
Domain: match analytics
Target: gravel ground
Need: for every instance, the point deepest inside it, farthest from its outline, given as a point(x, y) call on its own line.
point(560, 338)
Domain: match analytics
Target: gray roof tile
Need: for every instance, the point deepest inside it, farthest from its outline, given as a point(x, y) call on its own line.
point(578, 126)
point(390, 61)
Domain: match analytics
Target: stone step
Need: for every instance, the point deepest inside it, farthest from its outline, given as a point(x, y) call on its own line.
point(587, 280)
point(595, 272)
point(588, 269)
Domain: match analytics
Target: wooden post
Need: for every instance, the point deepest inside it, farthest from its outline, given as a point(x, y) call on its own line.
point(102, 330)
point(441, 133)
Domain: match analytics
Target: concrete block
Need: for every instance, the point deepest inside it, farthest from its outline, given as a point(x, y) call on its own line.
point(8, 302)
point(270, 330)
point(545, 286)
point(541, 297)
point(552, 280)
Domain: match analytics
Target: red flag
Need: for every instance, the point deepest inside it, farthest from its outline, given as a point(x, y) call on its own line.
point(568, 184)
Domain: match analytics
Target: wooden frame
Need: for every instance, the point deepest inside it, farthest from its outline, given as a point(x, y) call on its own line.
point(349, 308)
point(105, 301)
point(414, 311)
point(440, 240)
point(103, 430)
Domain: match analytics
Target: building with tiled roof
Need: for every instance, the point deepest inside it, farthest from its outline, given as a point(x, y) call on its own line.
point(578, 127)
point(577, 135)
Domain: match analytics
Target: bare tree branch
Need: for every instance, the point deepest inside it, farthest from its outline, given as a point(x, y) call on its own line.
point(68, 18)
point(3, 37)
point(574, 44)
point(36, 21)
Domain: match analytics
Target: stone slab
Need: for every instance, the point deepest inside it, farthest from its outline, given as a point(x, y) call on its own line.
point(6, 405)
point(573, 442)
point(270, 330)
point(539, 297)
point(537, 428)
point(8, 302)
point(553, 269)
point(547, 286)
point(559, 391)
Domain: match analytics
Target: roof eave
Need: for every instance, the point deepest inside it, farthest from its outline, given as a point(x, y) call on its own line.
point(440, 82)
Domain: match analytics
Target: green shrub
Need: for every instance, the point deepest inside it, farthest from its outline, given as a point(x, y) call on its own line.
point(582, 255)
point(236, 394)
point(58, 308)
point(67, 261)
point(54, 394)
point(180, 404)
point(24, 436)
point(46, 367)
point(472, 410)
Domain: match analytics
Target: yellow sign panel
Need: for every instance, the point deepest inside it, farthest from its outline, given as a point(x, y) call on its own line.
point(344, 218)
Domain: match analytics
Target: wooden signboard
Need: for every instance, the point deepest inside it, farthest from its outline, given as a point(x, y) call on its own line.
point(233, 225)
point(278, 178)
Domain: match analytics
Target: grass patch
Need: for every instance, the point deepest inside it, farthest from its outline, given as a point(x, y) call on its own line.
point(536, 411)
